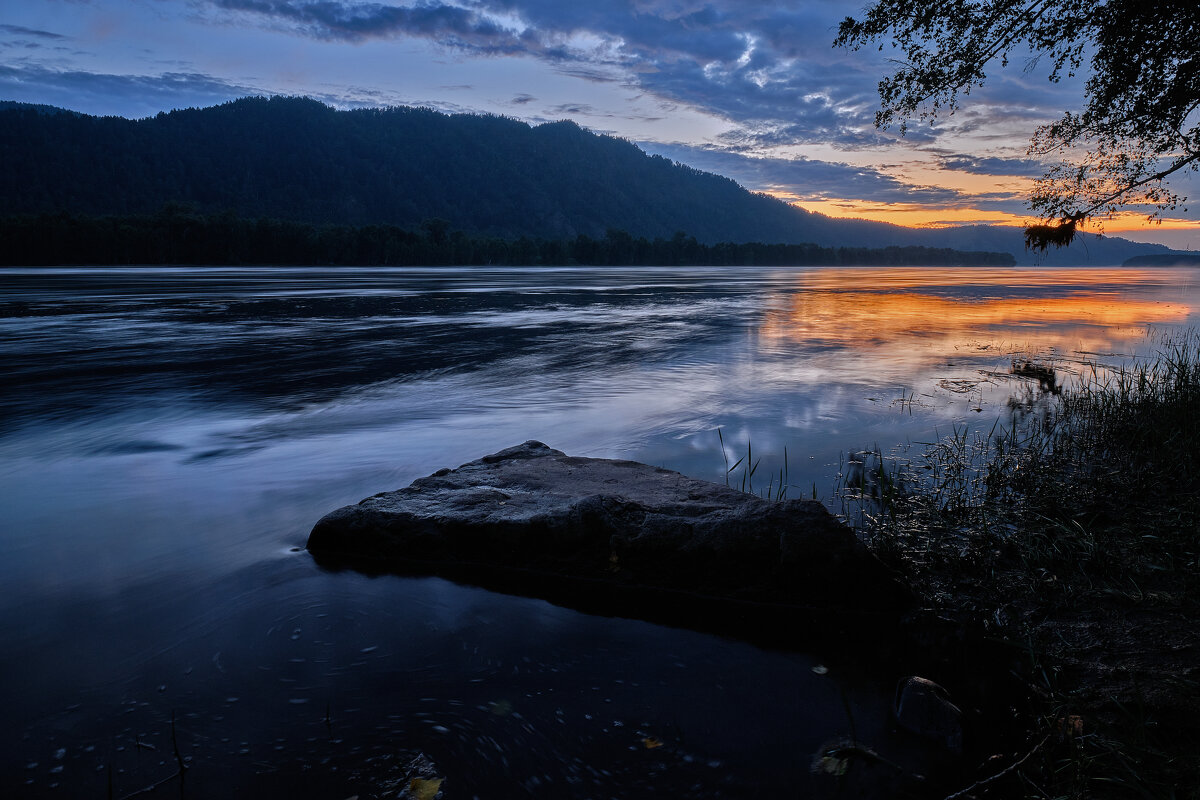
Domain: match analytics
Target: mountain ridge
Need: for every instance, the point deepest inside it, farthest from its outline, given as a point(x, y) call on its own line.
point(298, 159)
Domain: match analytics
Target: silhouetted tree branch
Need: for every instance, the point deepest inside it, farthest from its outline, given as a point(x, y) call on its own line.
point(1139, 124)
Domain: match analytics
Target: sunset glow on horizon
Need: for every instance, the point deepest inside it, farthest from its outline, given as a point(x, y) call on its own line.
point(911, 215)
point(916, 216)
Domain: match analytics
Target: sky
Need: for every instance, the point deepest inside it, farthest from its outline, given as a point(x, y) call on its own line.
point(751, 89)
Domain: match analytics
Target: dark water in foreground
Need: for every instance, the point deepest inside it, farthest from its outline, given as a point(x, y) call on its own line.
point(168, 439)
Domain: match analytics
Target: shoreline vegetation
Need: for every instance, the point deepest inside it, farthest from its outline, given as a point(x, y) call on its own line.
point(1074, 537)
point(178, 235)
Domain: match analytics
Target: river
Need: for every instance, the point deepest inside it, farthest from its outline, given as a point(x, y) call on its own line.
point(168, 437)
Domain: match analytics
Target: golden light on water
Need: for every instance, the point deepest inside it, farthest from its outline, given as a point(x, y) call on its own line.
point(906, 321)
point(894, 278)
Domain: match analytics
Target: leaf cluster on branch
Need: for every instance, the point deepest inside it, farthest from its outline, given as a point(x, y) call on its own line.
point(1139, 123)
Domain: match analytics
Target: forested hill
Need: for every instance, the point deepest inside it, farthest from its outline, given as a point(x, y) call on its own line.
point(295, 159)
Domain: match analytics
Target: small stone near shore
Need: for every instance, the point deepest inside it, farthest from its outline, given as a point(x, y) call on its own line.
point(540, 522)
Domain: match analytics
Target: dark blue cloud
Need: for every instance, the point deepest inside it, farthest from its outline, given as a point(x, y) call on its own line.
point(92, 92)
point(768, 67)
point(979, 165)
point(136, 96)
point(572, 108)
point(742, 63)
point(18, 30)
point(330, 19)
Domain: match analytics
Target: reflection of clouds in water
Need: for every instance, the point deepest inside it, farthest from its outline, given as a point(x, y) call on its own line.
point(862, 357)
point(819, 367)
point(922, 320)
point(596, 362)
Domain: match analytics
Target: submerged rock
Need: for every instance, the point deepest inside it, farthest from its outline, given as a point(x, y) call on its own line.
point(599, 534)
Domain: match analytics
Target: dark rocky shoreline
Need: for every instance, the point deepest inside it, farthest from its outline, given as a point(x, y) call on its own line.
point(619, 538)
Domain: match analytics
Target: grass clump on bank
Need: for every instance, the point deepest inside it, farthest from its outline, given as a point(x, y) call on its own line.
point(1076, 533)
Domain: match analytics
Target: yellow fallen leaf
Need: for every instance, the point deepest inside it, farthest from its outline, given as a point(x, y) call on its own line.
point(424, 789)
point(651, 742)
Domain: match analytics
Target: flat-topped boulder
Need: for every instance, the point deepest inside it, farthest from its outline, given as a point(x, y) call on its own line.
point(589, 531)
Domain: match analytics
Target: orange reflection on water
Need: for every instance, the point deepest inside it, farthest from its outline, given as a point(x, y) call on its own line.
point(878, 278)
point(908, 320)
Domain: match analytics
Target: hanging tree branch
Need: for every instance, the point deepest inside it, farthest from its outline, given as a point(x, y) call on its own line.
point(1143, 88)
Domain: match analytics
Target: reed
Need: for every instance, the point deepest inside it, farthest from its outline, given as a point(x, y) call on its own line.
point(776, 490)
point(1083, 515)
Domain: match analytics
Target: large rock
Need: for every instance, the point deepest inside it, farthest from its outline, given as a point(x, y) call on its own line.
point(607, 535)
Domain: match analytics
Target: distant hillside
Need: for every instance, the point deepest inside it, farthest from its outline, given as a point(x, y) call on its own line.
point(296, 159)
point(1087, 249)
point(1165, 260)
point(37, 107)
point(299, 160)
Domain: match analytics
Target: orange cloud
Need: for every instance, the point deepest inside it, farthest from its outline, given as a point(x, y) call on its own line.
point(1132, 221)
point(914, 215)
point(911, 215)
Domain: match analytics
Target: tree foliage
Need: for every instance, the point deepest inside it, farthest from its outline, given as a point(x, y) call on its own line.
point(297, 159)
point(1138, 124)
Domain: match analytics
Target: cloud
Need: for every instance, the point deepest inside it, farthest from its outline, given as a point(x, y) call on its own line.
point(770, 67)
point(331, 19)
point(93, 92)
point(522, 99)
point(805, 179)
point(572, 108)
point(984, 165)
point(18, 30)
point(767, 68)
point(135, 96)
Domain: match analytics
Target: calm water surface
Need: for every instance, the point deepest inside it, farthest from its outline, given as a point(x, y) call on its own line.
point(169, 436)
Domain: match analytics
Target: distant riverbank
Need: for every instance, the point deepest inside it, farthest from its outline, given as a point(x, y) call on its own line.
point(178, 235)
point(1164, 260)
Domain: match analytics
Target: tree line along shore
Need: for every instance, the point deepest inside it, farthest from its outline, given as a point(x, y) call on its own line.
point(178, 235)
